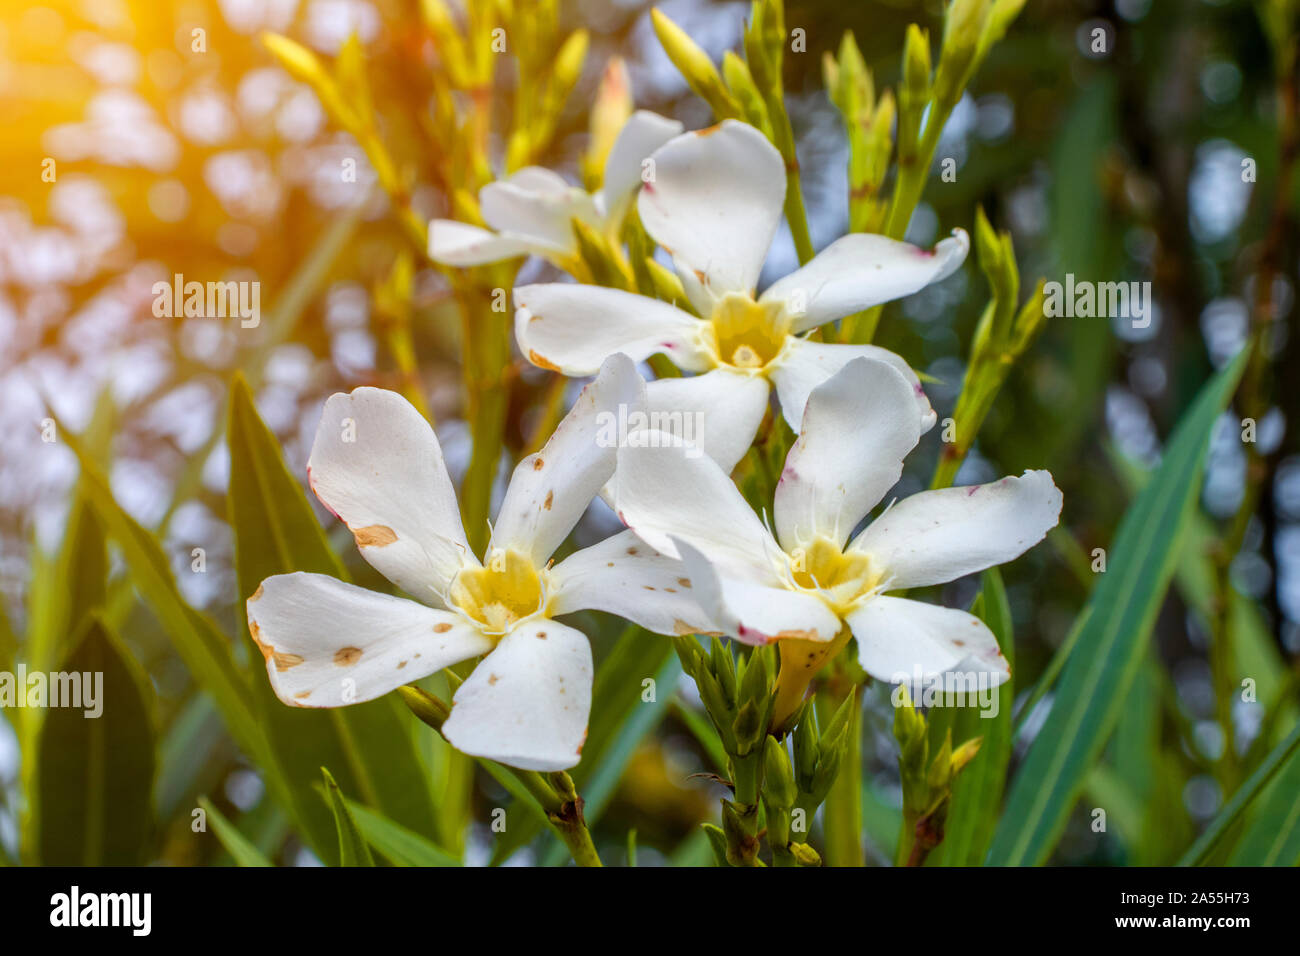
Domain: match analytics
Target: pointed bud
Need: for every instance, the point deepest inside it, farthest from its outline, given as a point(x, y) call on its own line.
point(807, 751)
point(609, 114)
point(778, 778)
point(694, 65)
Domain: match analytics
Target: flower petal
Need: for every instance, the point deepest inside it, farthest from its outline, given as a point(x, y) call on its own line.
point(664, 490)
point(719, 411)
point(377, 464)
point(572, 328)
point(532, 203)
point(328, 644)
point(550, 490)
point(625, 576)
point(904, 641)
point(641, 135)
point(526, 704)
point(860, 270)
point(715, 203)
point(938, 536)
point(858, 426)
point(803, 365)
point(752, 611)
point(460, 244)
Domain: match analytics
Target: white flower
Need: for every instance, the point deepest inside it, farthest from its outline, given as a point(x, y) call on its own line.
point(377, 465)
point(714, 206)
point(531, 211)
point(804, 583)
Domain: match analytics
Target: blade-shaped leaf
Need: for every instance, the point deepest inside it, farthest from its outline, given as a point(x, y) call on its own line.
point(203, 648)
point(1285, 753)
point(96, 758)
point(369, 746)
point(353, 850)
point(1100, 671)
point(401, 846)
point(1272, 837)
point(236, 844)
point(977, 791)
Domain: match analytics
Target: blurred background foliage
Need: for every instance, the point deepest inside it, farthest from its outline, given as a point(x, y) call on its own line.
point(1125, 165)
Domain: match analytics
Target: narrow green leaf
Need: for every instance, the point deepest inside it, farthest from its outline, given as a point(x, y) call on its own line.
point(235, 843)
point(96, 758)
point(401, 846)
point(1288, 751)
point(1272, 837)
point(369, 746)
point(977, 792)
point(353, 850)
point(1100, 671)
point(201, 646)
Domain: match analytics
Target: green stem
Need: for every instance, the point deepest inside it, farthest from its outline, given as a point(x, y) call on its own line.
point(842, 816)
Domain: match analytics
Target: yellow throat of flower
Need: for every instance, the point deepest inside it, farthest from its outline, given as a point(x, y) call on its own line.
point(505, 591)
point(746, 334)
point(840, 579)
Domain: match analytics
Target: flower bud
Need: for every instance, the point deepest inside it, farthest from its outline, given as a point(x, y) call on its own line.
point(695, 66)
point(778, 778)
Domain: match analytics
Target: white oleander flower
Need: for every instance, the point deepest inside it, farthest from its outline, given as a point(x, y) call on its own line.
point(530, 212)
point(714, 205)
point(377, 464)
point(809, 580)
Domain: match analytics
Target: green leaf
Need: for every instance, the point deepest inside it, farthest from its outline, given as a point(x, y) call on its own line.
point(237, 845)
point(353, 850)
point(401, 846)
point(205, 651)
point(977, 791)
point(1284, 754)
point(96, 760)
point(370, 746)
point(1272, 837)
point(1097, 677)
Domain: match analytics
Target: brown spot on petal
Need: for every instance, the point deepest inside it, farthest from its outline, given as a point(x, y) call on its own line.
point(374, 536)
point(492, 678)
point(631, 551)
point(684, 582)
point(442, 628)
point(537, 464)
point(401, 664)
point(671, 590)
point(285, 661)
point(347, 656)
point(541, 635)
point(550, 500)
point(541, 361)
point(302, 695)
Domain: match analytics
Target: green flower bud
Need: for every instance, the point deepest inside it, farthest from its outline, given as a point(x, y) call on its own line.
point(694, 64)
point(778, 777)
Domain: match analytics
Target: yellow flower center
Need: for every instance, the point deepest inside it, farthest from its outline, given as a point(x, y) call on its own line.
point(504, 592)
point(746, 334)
point(840, 579)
